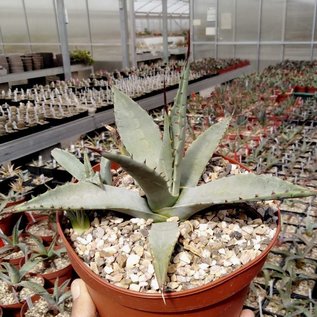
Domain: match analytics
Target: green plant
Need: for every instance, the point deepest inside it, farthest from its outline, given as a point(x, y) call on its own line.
point(56, 300)
point(167, 176)
point(12, 275)
point(45, 254)
point(14, 242)
point(81, 57)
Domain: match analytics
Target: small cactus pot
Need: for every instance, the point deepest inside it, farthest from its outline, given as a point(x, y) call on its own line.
point(223, 297)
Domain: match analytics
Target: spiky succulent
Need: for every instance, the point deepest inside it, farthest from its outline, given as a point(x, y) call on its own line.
point(167, 176)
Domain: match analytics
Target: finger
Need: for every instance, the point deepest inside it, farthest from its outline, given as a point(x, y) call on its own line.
point(83, 305)
point(247, 313)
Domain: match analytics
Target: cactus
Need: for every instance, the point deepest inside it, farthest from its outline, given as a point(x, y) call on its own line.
point(167, 176)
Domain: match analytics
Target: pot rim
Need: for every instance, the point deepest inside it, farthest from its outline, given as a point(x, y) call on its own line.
point(169, 295)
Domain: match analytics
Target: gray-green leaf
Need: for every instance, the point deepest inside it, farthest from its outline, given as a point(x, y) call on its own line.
point(85, 195)
point(200, 152)
point(233, 189)
point(154, 185)
point(70, 163)
point(162, 239)
point(138, 132)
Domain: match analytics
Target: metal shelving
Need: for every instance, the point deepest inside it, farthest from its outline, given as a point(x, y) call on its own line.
point(38, 141)
point(41, 73)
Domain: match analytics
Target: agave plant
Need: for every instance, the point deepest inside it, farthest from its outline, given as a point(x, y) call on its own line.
point(56, 299)
point(166, 173)
point(14, 242)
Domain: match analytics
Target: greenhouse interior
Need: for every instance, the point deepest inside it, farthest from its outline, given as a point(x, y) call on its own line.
point(158, 158)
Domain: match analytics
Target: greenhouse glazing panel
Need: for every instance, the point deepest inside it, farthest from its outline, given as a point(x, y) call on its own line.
point(226, 20)
point(205, 20)
point(270, 54)
point(105, 29)
point(247, 52)
point(299, 20)
point(104, 21)
point(12, 22)
point(226, 51)
point(247, 24)
point(272, 21)
point(297, 52)
point(204, 51)
point(42, 21)
point(78, 30)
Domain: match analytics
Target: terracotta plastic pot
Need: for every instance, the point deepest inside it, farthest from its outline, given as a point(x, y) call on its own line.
point(6, 224)
point(46, 239)
point(12, 310)
point(62, 275)
point(25, 306)
point(224, 297)
point(33, 217)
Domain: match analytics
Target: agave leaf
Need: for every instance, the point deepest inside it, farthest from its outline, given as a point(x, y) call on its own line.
point(16, 232)
point(6, 239)
point(3, 203)
point(233, 189)
point(178, 128)
point(162, 239)
point(37, 288)
point(105, 172)
point(138, 132)
point(27, 267)
point(13, 272)
point(154, 185)
point(5, 278)
point(166, 156)
point(70, 163)
point(39, 243)
point(89, 173)
point(6, 248)
point(200, 152)
point(85, 195)
point(65, 295)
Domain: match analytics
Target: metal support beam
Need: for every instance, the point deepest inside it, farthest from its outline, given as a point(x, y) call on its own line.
point(132, 33)
point(191, 30)
point(283, 29)
point(217, 28)
point(2, 41)
point(259, 35)
point(27, 25)
point(165, 33)
point(62, 30)
point(234, 32)
point(313, 32)
point(123, 12)
point(89, 27)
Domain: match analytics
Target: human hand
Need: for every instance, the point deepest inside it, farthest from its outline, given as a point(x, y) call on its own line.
point(83, 305)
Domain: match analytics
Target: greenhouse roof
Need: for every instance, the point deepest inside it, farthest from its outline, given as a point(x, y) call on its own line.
point(174, 7)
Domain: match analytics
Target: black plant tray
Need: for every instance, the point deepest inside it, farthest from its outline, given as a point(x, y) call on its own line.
point(57, 121)
point(5, 184)
point(105, 107)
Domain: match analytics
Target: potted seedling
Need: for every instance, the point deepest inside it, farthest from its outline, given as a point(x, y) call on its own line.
point(13, 294)
point(53, 261)
point(54, 301)
point(168, 179)
point(14, 248)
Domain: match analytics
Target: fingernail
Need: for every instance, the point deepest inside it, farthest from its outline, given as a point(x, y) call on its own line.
point(75, 289)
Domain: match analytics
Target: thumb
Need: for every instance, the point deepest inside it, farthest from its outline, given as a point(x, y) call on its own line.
point(83, 305)
point(247, 313)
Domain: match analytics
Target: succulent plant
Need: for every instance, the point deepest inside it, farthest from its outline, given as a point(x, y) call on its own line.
point(14, 242)
point(56, 300)
point(46, 254)
point(166, 173)
point(13, 275)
